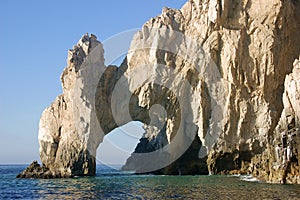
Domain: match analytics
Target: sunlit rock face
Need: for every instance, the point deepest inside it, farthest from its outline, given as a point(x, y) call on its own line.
point(253, 45)
point(214, 84)
point(69, 128)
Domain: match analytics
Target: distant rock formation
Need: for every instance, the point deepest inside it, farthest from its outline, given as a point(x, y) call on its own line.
point(233, 129)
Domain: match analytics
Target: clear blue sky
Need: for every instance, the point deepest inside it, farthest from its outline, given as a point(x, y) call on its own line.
point(35, 37)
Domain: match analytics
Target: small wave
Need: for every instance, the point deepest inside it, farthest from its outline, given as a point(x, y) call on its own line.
point(248, 178)
point(235, 175)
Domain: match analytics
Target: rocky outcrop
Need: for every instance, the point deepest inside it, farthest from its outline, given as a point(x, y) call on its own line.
point(253, 45)
point(209, 82)
point(282, 153)
point(68, 127)
point(34, 170)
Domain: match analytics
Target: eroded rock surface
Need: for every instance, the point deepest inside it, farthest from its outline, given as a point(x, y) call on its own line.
point(230, 106)
point(68, 126)
point(34, 170)
point(253, 45)
point(282, 153)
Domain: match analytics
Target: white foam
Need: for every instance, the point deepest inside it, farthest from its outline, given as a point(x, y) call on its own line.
point(236, 175)
point(248, 178)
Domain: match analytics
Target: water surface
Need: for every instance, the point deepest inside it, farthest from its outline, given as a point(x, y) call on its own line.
point(112, 184)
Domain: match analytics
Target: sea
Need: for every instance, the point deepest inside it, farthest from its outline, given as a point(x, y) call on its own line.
point(111, 183)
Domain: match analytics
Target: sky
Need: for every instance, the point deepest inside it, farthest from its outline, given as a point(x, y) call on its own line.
point(35, 37)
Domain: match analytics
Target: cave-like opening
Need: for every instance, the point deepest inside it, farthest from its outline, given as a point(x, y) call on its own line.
point(119, 144)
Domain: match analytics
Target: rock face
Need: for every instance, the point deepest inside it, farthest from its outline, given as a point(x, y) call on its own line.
point(253, 45)
point(67, 128)
point(283, 151)
point(214, 83)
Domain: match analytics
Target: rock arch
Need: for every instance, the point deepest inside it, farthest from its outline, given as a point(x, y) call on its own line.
point(98, 99)
point(253, 44)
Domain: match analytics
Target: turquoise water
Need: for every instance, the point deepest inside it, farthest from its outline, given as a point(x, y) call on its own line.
point(111, 184)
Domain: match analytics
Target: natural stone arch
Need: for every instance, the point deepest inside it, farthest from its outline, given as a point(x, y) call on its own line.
point(119, 144)
point(254, 46)
point(151, 114)
point(98, 99)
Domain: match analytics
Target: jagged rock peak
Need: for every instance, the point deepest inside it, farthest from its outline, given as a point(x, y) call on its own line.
point(80, 51)
point(76, 58)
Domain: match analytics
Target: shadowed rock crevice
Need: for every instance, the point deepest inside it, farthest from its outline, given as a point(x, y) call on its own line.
point(188, 164)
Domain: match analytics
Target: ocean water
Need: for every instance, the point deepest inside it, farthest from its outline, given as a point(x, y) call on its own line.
point(112, 184)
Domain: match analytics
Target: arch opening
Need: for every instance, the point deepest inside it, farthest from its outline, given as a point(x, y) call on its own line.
point(119, 144)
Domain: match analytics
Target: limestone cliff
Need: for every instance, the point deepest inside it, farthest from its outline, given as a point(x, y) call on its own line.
point(67, 127)
point(213, 83)
point(253, 45)
point(283, 152)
